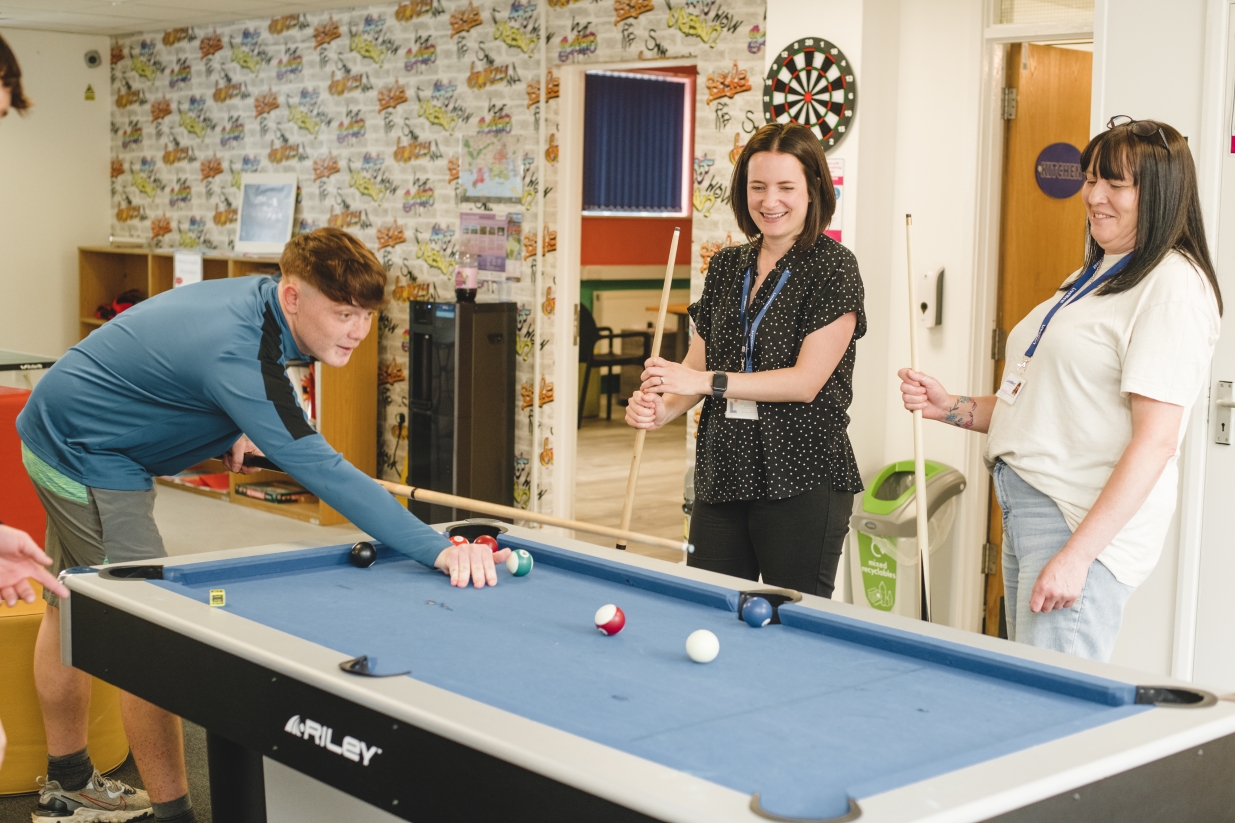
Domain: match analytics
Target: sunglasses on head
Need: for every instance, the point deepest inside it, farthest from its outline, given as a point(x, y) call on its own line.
point(1141, 128)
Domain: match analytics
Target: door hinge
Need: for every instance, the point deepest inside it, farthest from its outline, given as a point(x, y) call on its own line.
point(1009, 104)
point(999, 342)
point(989, 555)
point(576, 340)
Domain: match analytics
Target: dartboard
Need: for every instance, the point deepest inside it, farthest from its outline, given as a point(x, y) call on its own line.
point(812, 83)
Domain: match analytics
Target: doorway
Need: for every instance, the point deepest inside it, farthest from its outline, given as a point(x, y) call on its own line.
point(1046, 108)
point(619, 277)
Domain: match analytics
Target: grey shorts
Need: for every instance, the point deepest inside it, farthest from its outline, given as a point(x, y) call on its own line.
point(112, 527)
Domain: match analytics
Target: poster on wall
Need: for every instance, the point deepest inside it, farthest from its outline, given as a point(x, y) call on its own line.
point(1233, 131)
point(490, 172)
point(489, 246)
point(836, 168)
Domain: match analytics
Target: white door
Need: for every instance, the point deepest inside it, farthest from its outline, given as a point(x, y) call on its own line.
point(1213, 658)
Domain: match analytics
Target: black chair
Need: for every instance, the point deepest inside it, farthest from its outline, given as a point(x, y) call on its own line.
point(589, 335)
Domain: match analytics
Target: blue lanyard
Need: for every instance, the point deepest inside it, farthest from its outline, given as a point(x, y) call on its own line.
point(1072, 296)
point(748, 345)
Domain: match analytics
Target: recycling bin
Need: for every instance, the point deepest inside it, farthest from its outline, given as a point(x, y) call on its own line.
point(882, 551)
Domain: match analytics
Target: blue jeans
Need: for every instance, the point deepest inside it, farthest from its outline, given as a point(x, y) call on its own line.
point(1034, 531)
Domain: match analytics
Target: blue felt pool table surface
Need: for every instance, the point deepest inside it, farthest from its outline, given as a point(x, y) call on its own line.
point(807, 714)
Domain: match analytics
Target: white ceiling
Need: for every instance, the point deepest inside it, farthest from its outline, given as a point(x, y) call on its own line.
point(126, 16)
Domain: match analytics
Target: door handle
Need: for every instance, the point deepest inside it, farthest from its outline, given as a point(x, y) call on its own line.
point(1224, 402)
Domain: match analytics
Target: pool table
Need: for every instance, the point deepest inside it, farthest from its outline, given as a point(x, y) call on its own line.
point(332, 692)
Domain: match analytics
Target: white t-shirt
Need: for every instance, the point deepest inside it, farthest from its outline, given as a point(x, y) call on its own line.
point(1072, 419)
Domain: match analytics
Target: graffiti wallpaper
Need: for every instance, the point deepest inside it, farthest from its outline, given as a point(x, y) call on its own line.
point(376, 110)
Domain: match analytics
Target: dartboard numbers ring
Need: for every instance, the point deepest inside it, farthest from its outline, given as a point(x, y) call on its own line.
point(812, 83)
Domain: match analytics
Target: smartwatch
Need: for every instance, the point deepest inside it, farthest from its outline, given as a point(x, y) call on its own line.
point(720, 382)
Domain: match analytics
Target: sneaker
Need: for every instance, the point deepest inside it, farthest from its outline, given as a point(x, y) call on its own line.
point(102, 800)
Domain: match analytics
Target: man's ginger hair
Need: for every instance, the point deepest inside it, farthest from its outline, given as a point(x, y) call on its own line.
point(338, 265)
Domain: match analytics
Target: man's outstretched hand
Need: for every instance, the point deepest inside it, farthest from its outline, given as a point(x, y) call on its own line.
point(20, 560)
point(471, 563)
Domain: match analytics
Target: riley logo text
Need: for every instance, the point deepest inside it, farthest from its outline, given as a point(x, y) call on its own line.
point(351, 748)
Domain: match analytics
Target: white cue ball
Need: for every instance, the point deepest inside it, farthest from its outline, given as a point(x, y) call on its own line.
point(702, 646)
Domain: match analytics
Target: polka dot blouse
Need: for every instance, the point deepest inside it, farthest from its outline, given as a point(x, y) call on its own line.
point(792, 447)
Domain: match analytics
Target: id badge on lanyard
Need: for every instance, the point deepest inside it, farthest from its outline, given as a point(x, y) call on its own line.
point(1014, 383)
point(749, 409)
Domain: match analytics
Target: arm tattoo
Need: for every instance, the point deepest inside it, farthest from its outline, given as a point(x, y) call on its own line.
point(961, 413)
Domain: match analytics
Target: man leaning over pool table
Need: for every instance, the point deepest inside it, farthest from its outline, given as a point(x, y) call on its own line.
point(193, 373)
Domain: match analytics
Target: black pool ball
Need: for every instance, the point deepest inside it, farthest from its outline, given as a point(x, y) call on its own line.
point(362, 555)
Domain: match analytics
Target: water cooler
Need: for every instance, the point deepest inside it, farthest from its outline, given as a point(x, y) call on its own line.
point(461, 404)
point(882, 554)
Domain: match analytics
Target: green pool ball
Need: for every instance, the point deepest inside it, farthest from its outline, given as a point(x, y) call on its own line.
point(519, 562)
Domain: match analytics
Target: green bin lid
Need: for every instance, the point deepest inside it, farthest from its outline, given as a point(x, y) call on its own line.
point(871, 504)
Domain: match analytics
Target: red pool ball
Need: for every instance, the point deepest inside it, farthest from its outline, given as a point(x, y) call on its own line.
point(486, 540)
point(459, 540)
point(610, 619)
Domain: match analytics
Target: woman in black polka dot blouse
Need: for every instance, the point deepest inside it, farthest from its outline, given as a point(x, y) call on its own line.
point(773, 355)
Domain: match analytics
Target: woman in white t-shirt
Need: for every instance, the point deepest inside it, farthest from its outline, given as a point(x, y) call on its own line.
point(1094, 402)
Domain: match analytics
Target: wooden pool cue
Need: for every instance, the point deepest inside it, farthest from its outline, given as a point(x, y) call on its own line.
point(641, 434)
point(919, 454)
point(497, 510)
point(510, 512)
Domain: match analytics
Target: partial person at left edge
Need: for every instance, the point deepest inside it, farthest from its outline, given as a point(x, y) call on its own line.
point(11, 94)
point(190, 374)
point(21, 560)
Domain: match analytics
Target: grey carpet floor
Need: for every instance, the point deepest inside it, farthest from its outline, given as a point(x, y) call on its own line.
point(17, 809)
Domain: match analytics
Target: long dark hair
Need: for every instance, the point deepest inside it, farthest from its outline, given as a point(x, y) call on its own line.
point(1168, 213)
point(10, 78)
point(795, 139)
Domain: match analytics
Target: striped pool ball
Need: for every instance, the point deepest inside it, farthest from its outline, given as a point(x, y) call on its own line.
point(519, 562)
point(757, 612)
point(610, 619)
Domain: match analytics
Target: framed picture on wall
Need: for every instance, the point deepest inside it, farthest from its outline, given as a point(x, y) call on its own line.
point(267, 208)
point(491, 171)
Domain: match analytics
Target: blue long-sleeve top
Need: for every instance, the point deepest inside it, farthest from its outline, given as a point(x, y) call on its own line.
point(175, 380)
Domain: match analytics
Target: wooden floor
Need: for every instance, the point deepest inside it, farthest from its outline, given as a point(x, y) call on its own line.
point(602, 466)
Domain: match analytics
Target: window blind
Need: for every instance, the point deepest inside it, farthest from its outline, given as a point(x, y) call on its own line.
point(632, 143)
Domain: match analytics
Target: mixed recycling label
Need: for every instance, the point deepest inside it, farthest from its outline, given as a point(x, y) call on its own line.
point(878, 572)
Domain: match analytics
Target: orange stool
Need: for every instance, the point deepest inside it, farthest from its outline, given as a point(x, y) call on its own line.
point(26, 755)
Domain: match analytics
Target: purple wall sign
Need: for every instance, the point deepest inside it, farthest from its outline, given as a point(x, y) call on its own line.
point(1058, 170)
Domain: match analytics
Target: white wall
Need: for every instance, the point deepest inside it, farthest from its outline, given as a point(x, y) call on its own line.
point(906, 155)
point(874, 210)
point(936, 182)
point(1214, 624)
point(53, 187)
point(1126, 83)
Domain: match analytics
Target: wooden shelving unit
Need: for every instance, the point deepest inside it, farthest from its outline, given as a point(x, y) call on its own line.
point(347, 401)
point(212, 466)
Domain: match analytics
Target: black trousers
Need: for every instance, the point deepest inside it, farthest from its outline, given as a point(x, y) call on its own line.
point(795, 543)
